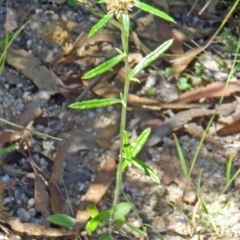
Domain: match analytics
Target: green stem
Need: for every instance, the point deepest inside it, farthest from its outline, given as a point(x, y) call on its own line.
point(124, 37)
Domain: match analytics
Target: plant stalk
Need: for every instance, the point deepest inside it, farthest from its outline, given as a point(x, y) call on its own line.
point(124, 38)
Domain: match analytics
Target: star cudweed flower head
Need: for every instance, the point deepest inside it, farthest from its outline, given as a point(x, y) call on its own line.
point(117, 7)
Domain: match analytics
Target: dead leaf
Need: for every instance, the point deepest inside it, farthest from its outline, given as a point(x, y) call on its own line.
point(29, 66)
point(41, 196)
point(31, 229)
point(173, 173)
point(57, 196)
point(229, 129)
point(11, 21)
point(98, 188)
point(164, 32)
point(213, 90)
point(30, 111)
point(180, 63)
point(175, 123)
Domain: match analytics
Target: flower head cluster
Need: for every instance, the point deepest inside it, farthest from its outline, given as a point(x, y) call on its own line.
point(117, 7)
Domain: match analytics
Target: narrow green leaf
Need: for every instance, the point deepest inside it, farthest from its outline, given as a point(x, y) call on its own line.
point(104, 67)
point(95, 103)
point(62, 220)
point(105, 236)
point(139, 143)
point(126, 146)
point(229, 169)
point(102, 218)
point(150, 58)
point(8, 149)
point(125, 164)
point(30, 130)
point(181, 156)
point(102, 1)
point(126, 23)
point(99, 25)
point(118, 223)
point(147, 8)
point(121, 210)
point(92, 210)
point(137, 230)
point(146, 170)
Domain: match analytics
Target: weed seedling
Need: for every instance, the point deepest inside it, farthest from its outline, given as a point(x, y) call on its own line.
point(118, 12)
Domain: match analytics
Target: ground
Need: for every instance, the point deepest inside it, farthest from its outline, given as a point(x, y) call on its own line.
point(177, 96)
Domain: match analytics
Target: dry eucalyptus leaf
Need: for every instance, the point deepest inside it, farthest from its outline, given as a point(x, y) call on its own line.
point(11, 21)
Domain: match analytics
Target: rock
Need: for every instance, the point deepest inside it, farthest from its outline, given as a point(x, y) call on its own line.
point(23, 214)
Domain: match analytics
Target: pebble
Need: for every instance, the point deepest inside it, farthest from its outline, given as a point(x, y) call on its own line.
point(31, 202)
point(23, 215)
point(32, 212)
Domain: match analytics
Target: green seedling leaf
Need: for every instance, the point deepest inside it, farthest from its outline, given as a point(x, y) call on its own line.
point(8, 149)
point(30, 130)
point(95, 103)
point(99, 25)
point(147, 8)
point(126, 146)
point(71, 3)
point(126, 23)
point(102, 1)
point(121, 210)
point(137, 230)
point(118, 223)
point(229, 169)
point(181, 156)
point(105, 236)
point(141, 140)
point(102, 218)
point(135, 80)
point(92, 210)
point(150, 58)
point(125, 164)
point(104, 67)
point(146, 170)
point(62, 220)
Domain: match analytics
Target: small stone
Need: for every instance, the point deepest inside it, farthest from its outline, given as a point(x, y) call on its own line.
point(31, 202)
point(32, 212)
point(55, 17)
point(23, 214)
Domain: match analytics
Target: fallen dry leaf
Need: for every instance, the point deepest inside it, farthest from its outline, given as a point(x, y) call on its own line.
point(29, 66)
point(213, 90)
point(30, 111)
point(31, 229)
point(165, 32)
point(229, 129)
point(98, 188)
point(173, 173)
point(41, 196)
point(58, 203)
point(11, 21)
point(180, 63)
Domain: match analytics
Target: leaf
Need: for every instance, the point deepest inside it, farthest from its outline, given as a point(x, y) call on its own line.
point(137, 230)
point(126, 146)
point(141, 140)
point(181, 156)
point(103, 218)
point(121, 210)
point(147, 170)
point(62, 220)
point(8, 149)
point(95, 103)
point(104, 67)
point(105, 236)
point(126, 23)
point(150, 58)
point(92, 210)
point(99, 25)
point(71, 3)
point(147, 8)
